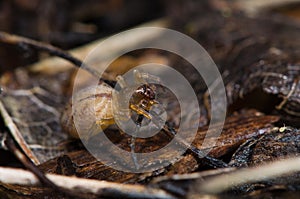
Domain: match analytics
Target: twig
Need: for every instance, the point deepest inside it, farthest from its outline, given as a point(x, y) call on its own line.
point(255, 6)
point(18, 40)
point(74, 184)
point(14, 131)
point(53, 65)
point(10, 145)
point(224, 182)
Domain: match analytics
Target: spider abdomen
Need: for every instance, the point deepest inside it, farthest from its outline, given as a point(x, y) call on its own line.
point(88, 108)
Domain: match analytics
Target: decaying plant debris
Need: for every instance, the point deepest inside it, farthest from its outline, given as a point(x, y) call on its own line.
point(260, 63)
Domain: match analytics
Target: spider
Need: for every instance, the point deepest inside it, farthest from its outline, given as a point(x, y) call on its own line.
point(94, 110)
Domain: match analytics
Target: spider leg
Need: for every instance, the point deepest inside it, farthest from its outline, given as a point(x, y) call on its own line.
point(142, 78)
point(132, 151)
point(121, 81)
point(138, 77)
point(132, 142)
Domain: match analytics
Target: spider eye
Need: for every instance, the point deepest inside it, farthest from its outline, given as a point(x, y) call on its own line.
point(145, 92)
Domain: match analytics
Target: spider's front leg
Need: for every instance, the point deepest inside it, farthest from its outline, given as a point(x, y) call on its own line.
point(144, 78)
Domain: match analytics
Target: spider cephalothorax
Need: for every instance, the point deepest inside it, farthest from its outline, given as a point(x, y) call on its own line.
point(143, 97)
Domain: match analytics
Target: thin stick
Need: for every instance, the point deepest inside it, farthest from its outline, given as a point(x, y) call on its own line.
point(224, 182)
point(10, 145)
point(206, 159)
point(18, 40)
point(52, 65)
point(75, 184)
